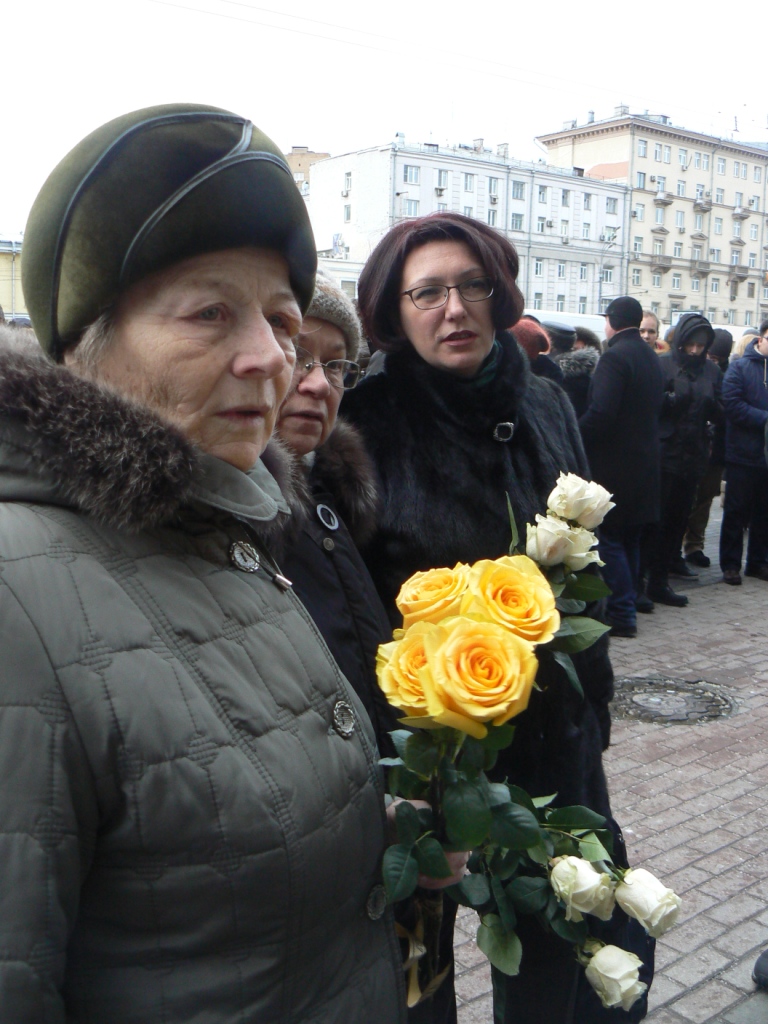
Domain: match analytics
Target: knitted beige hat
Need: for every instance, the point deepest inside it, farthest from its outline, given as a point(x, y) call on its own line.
point(331, 304)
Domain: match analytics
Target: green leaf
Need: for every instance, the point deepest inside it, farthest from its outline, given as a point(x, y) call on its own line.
point(403, 783)
point(565, 662)
point(499, 737)
point(540, 853)
point(502, 948)
point(390, 762)
point(565, 846)
point(400, 737)
point(569, 606)
point(472, 755)
point(574, 819)
point(529, 894)
point(467, 814)
point(585, 587)
point(513, 528)
point(497, 793)
point(591, 848)
point(576, 633)
point(571, 931)
point(431, 857)
point(515, 827)
point(421, 753)
point(408, 824)
point(606, 838)
point(476, 889)
point(504, 905)
point(519, 796)
point(401, 872)
point(504, 863)
point(543, 801)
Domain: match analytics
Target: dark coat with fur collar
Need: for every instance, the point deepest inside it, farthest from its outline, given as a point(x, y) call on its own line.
point(188, 831)
point(320, 556)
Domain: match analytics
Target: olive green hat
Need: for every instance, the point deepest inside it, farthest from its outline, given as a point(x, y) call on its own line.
point(146, 190)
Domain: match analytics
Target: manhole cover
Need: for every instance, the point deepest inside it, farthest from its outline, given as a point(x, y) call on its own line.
point(660, 699)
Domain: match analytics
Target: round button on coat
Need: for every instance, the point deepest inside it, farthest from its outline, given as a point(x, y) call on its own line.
point(328, 543)
point(244, 556)
point(376, 903)
point(344, 721)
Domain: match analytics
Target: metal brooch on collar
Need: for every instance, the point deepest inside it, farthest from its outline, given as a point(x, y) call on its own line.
point(503, 432)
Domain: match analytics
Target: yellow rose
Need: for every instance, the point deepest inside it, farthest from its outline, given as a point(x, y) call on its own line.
point(432, 595)
point(398, 665)
point(514, 592)
point(476, 672)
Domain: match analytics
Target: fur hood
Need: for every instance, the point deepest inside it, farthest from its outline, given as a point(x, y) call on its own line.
point(88, 447)
point(579, 362)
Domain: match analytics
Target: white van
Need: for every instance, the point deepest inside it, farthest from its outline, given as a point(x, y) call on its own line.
point(592, 321)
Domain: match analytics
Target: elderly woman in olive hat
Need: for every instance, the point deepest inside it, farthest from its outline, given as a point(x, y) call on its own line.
point(191, 815)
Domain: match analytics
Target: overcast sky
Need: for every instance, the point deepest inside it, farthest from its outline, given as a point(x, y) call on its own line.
point(337, 76)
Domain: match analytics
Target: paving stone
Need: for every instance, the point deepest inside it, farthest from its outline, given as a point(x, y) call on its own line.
point(697, 966)
point(737, 909)
point(744, 937)
point(472, 984)
point(479, 1011)
point(704, 1003)
point(753, 1010)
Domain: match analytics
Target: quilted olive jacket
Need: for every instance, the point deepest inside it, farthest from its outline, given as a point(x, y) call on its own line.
point(191, 814)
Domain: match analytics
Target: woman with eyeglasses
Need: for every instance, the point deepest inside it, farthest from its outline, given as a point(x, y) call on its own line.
point(454, 423)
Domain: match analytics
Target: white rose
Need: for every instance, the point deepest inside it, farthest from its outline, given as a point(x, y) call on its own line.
point(644, 897)
point(548, 542)
point(582, 888)
point(614, 974)
point(579, 554)
point(582, 501)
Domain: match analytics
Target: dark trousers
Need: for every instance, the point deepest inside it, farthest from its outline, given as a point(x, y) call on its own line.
point(708, 489)
point(677, 494)
point(745, 508)
point(620, 550)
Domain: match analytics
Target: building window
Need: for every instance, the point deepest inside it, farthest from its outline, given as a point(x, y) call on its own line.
point(658, 247)
point(641, 179)
point(561, 268)
point(493, 186)
point(582, 271)
point(757, 174)
point(412, 208)
point(655, 308)
point(492, 218)
point(411, 174)
point(565, 199)
point(637, 276)
point(517, 222)
point(349, 288)
point(348, 180)
point(442, 207)
point(642, 147)
point(753, 231)
point(680, 218)
point(639, 212)
point(697, 161)
point(582, 303)
point(754, 202)
point(736, 168)
point(667, 154)
point(699, 191)
point(739, 200)
point(298, 176)
point(748, 314)
point(659, 214)
point(542, 193)
point(721, 165)
point(540, 224)
point(468, 211)
point(696, 253)
point(676, 280)
point(735, 257)
point(677, 249)
point(560, 304)
point(347, 213)
point(537, 300)
point(565, 228)
point(714, 285)
point(637, 243)
point(442, 179)
point(718, 225)
point(661, 183)
point(695, 284)
point(585, 229)
point(587, 200)
point(719, 195)
point(682, 157)
point(705, 161)
point(698, 221)
point(656, 280)
point(538, 267)
point(743, 170)
point(737, 229)
point(518, 190)
point(680, 187)
point(730, 316)
point(715, 254)
point(752, 262)
point(657, 152)
point(608, 275)
point(469, 183)
point(611, 204)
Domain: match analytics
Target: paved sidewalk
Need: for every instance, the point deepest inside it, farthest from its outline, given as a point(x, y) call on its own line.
point(692, 801)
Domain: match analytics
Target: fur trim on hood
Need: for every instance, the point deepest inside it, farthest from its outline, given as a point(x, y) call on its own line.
point(107, 456)
point(579, 362)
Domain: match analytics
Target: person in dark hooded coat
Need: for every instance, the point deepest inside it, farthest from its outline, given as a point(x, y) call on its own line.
point(691, 403)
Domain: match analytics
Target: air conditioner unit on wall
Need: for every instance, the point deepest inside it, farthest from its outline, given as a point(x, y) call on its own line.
point(550, 223)
point(681, 230)
point(344, 193)
point(565, 240)
point(493, 199)
point(439, 190)
point(653, 177)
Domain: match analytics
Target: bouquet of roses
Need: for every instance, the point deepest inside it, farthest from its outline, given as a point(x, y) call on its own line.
point(461, 669)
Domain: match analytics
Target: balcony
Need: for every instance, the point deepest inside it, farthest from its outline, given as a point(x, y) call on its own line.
point(702, 204)
point(740, 213)
point(662, 199)
point(662, 263)
point(738, 273)
point(700, 266)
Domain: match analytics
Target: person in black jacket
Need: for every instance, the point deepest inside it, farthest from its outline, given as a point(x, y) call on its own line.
point(454, 423)
point(691, 403)
point(621, 436)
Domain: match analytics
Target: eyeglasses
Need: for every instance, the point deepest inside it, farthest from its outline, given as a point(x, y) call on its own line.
point(432, 296)
point(340, 373)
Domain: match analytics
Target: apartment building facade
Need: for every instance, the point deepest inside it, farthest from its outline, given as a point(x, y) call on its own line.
point(11, 296)
point(697, 234)
point(567, 228)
